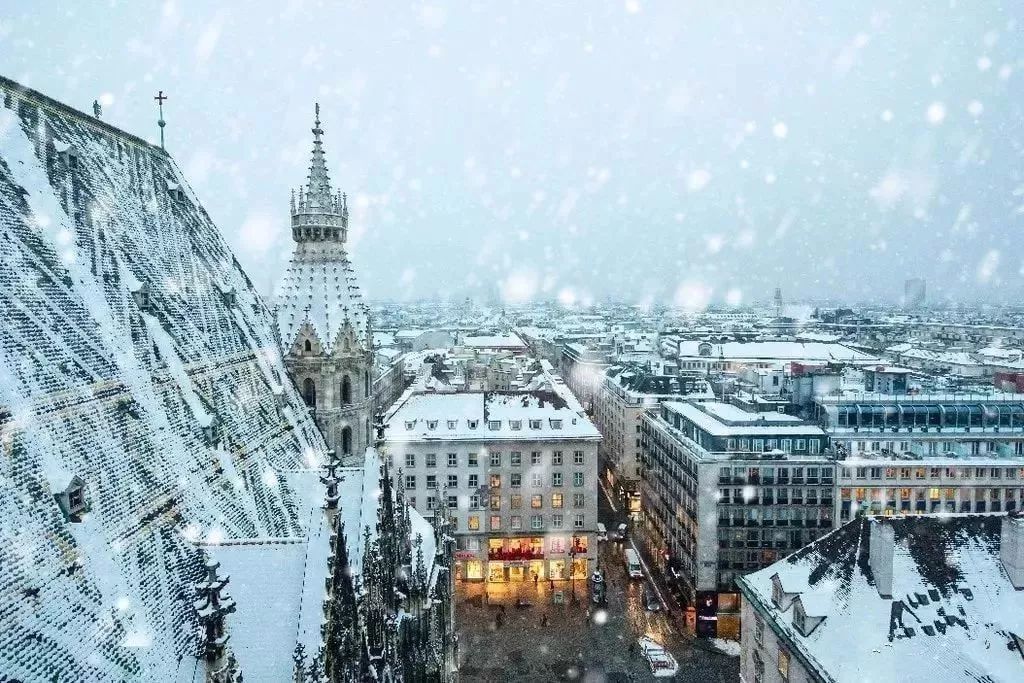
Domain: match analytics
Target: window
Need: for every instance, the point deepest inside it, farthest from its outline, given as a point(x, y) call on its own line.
point(495, 459)
point(431, 502)
point(453, 481)
point(517, 458)
point(787, 445)
point(494, 425)
point(556, 458)
point(784, 664)
point(534, 424)
point(516, 522)
point(431, 459)
point(473, 461)
point(535, 458)
point(556, 478)
point(578, 500)
point(474, 502)
point(410, 425)
point(517, 480)
point(496, 502)
point(537, 522)
point(577, 521)
point(452, 424)
point(453, 460)
point(515, 425)
point(431, 481)
point(517, 501)
point(801, 444)
point(431, 425)
point(410, 460)
point(473, 424)
point(730, 444)
point(758, 630)
point(474, 523)
point(556, 544)
point(556, 521)
point(556, 424)
point(495, 522)
point(556, 500)
point(577, 479)
point(495, 481)
point(536, 480)
point(577, 457)
point(536, 501)
point(453, 502)
point(815, 446)
point(410, 481)
point(474, 481)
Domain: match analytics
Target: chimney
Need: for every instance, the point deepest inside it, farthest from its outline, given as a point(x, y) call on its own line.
point(1011, 549)
point(881, 545)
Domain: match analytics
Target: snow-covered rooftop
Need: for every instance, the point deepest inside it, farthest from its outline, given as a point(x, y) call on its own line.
point(783, 351)
point(123, 363)
point(489, 416)
point(952, 616)
point(724, 419)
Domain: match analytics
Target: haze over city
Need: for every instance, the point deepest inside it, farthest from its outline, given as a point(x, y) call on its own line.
point(650, 152)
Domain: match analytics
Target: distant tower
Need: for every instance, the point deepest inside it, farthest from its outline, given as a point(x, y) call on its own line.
point(324, 325)
point(778, 302)
point(914, 292)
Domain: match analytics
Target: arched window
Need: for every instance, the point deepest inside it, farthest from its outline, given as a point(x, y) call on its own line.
point(346, 440)
point(308, 346)
point(309, 391)
point(346, 390)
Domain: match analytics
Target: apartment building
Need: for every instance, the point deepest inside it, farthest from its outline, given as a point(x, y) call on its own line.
point(628, 391)
point(517, 471)
point(583, 367)
point(726, 492)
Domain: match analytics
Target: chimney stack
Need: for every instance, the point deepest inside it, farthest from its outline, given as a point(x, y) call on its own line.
point(1011, 549)
point(881, 545)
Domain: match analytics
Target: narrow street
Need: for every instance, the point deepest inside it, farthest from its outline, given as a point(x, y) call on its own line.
point(580, 642)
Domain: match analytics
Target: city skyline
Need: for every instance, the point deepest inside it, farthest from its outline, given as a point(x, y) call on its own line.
point(663, 160)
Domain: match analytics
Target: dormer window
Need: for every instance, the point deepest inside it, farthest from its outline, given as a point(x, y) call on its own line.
point(494, 425)
point(142, 298)
point(473, 424)
point(410, 425)
point(431, 425)
point(515, 424)
point(307, 346)
point(72, 498)
point(452, 424)
point(534, 424)
point(556, 424)
point(777, 593)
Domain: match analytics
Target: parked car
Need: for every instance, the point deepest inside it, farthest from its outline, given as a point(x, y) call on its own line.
point(620, 533)
point(663, 664)
point(602, 532)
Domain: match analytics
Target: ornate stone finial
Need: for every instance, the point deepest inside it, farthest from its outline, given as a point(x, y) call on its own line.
point(97, 110)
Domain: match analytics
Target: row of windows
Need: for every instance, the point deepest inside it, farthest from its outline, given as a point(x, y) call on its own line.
point(494, 480)
point(959, 447)
point(768, 475)
point(932, 493)
point(537, 522)
point(493, 425)
point(933, 472)
point(811, 446)
point(767, 496)
point(515, 501)
point(495, 459)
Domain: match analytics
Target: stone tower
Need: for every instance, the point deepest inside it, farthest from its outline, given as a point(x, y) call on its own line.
point(324, 326)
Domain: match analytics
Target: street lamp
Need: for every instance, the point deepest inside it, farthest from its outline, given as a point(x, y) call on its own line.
point(572, 571)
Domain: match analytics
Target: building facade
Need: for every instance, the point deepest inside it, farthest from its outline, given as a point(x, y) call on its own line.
point(324, 326)
point(516, 472)
point(726, 492)
point(625, 394)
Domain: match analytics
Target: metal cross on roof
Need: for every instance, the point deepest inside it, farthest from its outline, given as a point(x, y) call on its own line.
point(160, 97)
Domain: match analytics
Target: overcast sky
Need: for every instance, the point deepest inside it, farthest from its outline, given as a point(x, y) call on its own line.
point(666, 151)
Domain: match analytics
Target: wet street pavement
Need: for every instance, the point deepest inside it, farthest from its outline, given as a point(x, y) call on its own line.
point(582, 641)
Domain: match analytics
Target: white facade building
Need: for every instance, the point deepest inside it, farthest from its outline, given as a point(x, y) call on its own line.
point(516, 470)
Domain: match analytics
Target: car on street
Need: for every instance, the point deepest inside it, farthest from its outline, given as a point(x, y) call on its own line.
point(663, 664)
point(650, 598)
point(602, 532)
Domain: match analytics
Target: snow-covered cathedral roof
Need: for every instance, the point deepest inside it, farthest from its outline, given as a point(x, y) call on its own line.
point(319, 288)
point(136, 356)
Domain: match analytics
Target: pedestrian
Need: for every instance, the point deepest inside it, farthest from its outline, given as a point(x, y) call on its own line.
point(536, 579)
point(544, 619)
